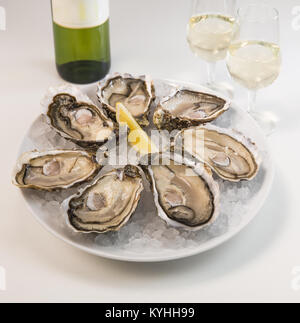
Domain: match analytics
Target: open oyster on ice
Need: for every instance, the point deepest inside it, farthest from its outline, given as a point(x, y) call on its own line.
point(186, 108)
point(185, 196)
point(107, 204)
point(135, 93)
point(52, 170)
point(229, 154)
point(73, 115)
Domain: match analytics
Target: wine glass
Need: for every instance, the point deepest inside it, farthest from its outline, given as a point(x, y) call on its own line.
point(211, 29)
point(254, 60)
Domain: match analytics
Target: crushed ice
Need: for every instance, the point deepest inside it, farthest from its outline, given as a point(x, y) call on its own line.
point(145, 230)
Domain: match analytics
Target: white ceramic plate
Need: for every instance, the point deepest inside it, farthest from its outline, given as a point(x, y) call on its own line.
point(136, 242)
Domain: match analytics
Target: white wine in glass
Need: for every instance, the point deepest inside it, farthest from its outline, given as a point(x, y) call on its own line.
point(211, 29)
point(209, 36)
point(254, 61)
point(254, 64)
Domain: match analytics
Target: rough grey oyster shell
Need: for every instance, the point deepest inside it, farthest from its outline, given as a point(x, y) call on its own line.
point(107, 204)
point(231, 155)
point(186, 108)
point(56, 169)
point(136, 93)
point(74, 116)
point(185, 194)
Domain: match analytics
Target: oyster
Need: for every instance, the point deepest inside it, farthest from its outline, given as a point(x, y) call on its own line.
point(229, 154)
point(185, 196)
point(136, 93)
point(73, 115)
point(186, 108)
point(107, 204)
point(52, 170)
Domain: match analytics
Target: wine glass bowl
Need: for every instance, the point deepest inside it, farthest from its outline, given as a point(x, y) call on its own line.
point(254, 60)
point(254, 64)
point(211, 29)
point(209, 36)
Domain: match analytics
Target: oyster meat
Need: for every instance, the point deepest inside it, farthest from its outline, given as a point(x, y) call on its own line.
point(79, 121)
point(107, 204)
point(52, 170)
point(185, 196)
point(186, 108)
point(136, 94)
point(229, 154)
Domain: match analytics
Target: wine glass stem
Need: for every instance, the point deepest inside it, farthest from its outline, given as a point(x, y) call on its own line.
point(252, 101)
point(211, 72)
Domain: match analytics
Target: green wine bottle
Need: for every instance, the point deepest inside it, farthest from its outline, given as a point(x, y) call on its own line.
point(81, 37)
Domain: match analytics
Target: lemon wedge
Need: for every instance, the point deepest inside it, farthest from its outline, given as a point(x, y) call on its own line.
point(137, 137)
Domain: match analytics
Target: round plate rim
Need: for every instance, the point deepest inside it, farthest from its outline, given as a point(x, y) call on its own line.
point(209, 245)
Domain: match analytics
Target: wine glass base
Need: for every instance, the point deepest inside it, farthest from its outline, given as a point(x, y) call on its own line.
point(223, 88)
point(266, 120)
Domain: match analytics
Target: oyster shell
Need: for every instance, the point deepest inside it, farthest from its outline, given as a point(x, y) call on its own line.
point(52, 170)
point(186, 108)
point(136, 93)
point(186, 196)
point(74, 116)
point(107, 204)
point(229, 154)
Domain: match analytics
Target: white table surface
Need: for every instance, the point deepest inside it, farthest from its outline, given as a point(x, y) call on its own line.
point(148, 36)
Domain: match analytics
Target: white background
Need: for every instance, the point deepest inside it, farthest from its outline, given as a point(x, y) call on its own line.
point(147, 36)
